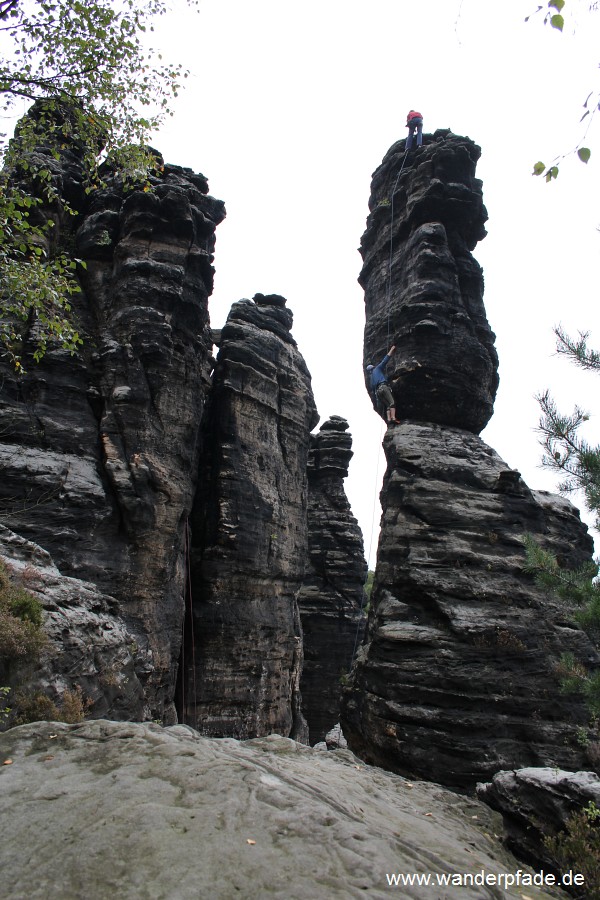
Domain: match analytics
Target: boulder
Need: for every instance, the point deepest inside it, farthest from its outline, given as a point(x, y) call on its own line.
point(535, 803)
point(89, 653)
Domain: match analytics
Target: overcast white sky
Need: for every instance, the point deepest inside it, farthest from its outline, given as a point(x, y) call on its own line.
point(290, 108)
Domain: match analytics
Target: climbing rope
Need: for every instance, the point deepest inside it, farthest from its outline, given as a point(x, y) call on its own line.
point(182, 671)
point(362, 599)
point(389, 284)
point(187, 609)
point(387, 303)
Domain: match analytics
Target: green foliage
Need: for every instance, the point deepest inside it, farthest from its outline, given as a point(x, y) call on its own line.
point(579, 465)
point(553, 16)
point(21, 633)
point(35, 707)
point(575, 679)
point(368, 590)
point(577, 349)
point(574, 585)
point(92, 59)
point(4, 710)
point(577, 848)
point(38, 707)
point(565, 452)
point(95, 53)
point(73, 707)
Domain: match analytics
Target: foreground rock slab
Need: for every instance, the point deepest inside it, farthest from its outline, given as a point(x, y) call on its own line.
point(106, 809)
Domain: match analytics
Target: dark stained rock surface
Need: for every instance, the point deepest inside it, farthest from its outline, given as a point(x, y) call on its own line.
point(332, 595)
point(89, 647)
point(106, 810)
point(423, 287)
point(458, 677)
point(243, 653)
point(99, 451)
point(536, 803)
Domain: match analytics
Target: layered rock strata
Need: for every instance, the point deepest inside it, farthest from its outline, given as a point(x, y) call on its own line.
point(331, 599)
point(460, 672)
point(99, 451)
point(459, 675)
point(243, 645)
point(423, 287)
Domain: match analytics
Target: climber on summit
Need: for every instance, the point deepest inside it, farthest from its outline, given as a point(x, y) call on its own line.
point(414, 122)
point(381, 389)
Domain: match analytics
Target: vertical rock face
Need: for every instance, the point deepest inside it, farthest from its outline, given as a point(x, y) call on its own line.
point(100, 451)
point(243, 650)
point(459, 675)
point(424, 289)
point(331, 597)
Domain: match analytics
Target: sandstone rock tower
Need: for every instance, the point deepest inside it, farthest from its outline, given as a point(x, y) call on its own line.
point(423, 287)
point(158, 499)
point(457, 677)
point(249, 530)
point(331, 598)
point(99, 451)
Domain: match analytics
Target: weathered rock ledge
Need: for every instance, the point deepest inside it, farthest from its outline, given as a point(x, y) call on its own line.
point(535, 803)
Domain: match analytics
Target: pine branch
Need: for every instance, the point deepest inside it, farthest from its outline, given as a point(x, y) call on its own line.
point(577, 350)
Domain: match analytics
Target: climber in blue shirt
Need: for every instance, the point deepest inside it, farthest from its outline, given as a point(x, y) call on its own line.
point(381, 389)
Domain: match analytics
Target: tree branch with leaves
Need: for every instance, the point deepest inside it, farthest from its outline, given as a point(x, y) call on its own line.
point(578, 463)
point(553, 16)
point(92, 58)
point(564, 450)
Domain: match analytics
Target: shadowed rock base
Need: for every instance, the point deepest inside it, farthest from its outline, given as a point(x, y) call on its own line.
point(458, 676)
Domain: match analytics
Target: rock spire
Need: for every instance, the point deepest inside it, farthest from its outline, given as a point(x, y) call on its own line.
point(459, 675)
point(331, 599)
point(423, 287)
